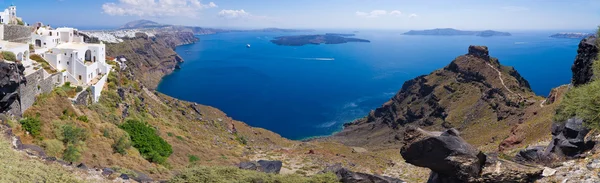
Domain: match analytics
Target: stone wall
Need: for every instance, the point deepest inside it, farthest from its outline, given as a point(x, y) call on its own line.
point(16, 33)
point(36, 85)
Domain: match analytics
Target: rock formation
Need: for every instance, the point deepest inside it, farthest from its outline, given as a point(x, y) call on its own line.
point(582, 68)
point(346, 176)
point(262, 166)
point(451, 159)
point(11, 78)
point(471, 89)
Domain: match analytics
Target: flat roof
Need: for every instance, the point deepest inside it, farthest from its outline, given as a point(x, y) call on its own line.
point(75, 45)
point(10, 45)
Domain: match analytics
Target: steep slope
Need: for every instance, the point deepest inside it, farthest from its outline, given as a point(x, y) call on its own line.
point(474, 94)
point(583, 71)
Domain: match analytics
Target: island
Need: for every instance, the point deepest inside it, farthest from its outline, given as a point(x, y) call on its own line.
point(456, 32)
point(338, 34)
point(571, 35)
point(302, 40)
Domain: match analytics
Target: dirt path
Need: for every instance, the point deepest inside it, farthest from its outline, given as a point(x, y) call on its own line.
point(502, 81)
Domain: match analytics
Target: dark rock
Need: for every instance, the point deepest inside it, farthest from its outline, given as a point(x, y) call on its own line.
point(50, 159)
point(107, 171)
point(82, 166)
point(582, 67)
point(33, 150)
point(479, 51)
point(532, 154)
point(11, 78)
point(497, 170)
point(124, 176)
point(568, 138)
point(346, 176)
point(83, 98)
point(450, 158)
point(311, 151)
point(141, 177)
point(249, 165)
point(121, 93)
point(270, 166)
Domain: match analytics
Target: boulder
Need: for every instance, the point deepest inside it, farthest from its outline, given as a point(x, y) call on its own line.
point(453, 160)
point(568, 138)
point(107, 171)
point(141, 177)
point(124, 176)
point(33, 150)
point(531, 154)
point(251, 165)
point(450, 158)
point(270, 166)
point(346, 176)
point(11, 78)
point(82, 166)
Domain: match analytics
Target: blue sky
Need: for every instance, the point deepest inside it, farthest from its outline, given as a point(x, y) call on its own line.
point(327, 14)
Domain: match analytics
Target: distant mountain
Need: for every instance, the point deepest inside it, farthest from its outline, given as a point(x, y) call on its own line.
point(455, 32)
point(571, 35)
point(314, 39)
point(139, 24)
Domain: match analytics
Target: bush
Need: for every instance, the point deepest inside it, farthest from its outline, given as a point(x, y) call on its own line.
point(241, 139)
point(122, 144)
point(79, 89)
point(145, 139)
point(234, 174)
point(582, 102)
point(32, 125)
point(53, 147)
point(72, 154)
point(193, 158)
point(82, 118)
point(73, 134)
point(10, 56)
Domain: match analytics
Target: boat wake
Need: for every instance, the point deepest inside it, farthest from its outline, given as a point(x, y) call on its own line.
point(319, 59)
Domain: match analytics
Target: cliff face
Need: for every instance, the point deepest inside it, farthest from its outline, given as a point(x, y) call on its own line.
point(11, 78)
point(586, 54)
point(151, 58)
point(471, 92)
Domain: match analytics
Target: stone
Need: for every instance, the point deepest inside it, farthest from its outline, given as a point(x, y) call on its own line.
point(107, 171)
point(141, 177)
point(450, 158)
point(270, 166)
point(548, 172)
point(11, 78)
point(249, 165)
point(346, 176)
point(82, 166)
point(531, 154)
point(568, 138)
point(33, 150)
point(124, 176)
point(594, 164)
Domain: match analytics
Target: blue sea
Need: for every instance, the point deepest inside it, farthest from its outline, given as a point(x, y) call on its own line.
point(312, 90)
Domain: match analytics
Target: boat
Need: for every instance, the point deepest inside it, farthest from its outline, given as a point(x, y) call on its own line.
point(248, 45)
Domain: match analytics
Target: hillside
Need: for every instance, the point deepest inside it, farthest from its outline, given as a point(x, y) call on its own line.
point(455, 32)
point(474, 94)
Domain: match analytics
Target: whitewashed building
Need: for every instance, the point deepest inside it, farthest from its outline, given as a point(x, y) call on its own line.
point(9, 15)
point(81, 64)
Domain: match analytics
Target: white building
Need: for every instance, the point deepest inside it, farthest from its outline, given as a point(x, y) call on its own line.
point(20, 50)
point(9, 15)
point(81, 64)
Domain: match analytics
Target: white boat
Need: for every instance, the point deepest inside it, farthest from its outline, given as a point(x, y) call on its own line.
point(248, 45)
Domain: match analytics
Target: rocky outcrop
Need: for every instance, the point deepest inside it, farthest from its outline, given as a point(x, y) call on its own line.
point(471, 89)
point(452, 160)
point(582, 68)
point(568, 141)
point(151, 58)
point(262, 166)
point(346, 176)
point(11, 78)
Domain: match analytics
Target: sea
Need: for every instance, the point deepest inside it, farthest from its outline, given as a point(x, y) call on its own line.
point(309, 91)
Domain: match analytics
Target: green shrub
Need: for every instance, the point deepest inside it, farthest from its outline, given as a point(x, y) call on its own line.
point(146, 140)
point(53, 147)
point(241, 139)
point(79, 89)
point(234, 174)
point(82, 118)
point(582, 102)
point(193, 158)
point(73, 134)
point(72, 153)
point(32, 125)
point(10, 56)
point(20, 22)
point(67, 84)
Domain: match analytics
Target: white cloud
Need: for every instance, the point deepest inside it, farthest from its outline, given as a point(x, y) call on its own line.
point(156, 7)
point(396, 13)
point(412, 15)
point(232, 14)
point(515, 8)
point(372, 14)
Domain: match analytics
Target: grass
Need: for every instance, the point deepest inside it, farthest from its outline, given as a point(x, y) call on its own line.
point(7, 55)
point(16, 167)
point(44, 63)
point(234, 174)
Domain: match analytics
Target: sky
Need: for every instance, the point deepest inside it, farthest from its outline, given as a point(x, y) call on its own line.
point(319, 14)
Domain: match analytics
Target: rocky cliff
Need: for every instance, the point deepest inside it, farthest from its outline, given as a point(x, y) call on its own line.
point(11, 78)
point(151, 58)
point(586, 54)
point(471, 93)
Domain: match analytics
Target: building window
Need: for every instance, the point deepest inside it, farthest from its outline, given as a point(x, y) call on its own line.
point(79, 77)
point(65, 54)
point(67, 63)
